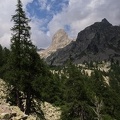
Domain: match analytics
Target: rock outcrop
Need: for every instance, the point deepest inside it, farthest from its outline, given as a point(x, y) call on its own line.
point(51, 112)
point(59, 40)
point(100, 41)
point(3, 92)
point(8, 112)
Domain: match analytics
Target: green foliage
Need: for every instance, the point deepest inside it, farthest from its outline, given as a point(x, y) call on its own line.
point(87, 97)
point(76, 95)
point(81, 97)
point(107, 117)
point(24, 65)
point(115, 89)
point(4, 54)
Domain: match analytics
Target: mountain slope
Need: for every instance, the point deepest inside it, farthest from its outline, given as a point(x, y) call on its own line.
point(100, 41)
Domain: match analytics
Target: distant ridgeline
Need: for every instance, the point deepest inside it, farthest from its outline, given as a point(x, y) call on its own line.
point(98, 42)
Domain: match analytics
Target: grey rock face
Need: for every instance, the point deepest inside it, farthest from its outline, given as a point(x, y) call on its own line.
point(100, 41)
point(59, 40)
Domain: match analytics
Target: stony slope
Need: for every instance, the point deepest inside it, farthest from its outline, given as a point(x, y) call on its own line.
point(8, 112)
point(59, 40)
point(100, 41)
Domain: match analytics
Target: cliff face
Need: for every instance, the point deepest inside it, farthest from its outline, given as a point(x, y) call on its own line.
point(59, 40)
point(100, 41)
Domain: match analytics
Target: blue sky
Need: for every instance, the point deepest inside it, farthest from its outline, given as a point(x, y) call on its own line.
point(45, 10)
point(48, 16)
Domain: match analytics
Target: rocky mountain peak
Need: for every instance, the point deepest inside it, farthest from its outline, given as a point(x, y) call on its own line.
point(100, 41)
point(59, 36)
point(60, 31)
point(105, 21)
point(93, 31)
point(59, 40)
point(101, 25)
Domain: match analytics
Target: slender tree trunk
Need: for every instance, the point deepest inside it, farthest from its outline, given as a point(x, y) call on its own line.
point(28, 103)
point(19, 100)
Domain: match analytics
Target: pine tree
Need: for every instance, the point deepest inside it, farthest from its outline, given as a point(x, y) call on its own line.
point(24, 63)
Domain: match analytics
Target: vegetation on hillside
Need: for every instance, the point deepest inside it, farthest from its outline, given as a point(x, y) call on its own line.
point(79, 95)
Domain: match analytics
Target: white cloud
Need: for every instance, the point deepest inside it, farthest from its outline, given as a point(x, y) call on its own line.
point(6, 10)
point(5, 40)
point(81, 13)
point(43, 4)
point(38, 36)
point(48, 7)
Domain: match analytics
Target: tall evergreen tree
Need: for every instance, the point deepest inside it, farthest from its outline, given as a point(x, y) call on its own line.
point(24, 63)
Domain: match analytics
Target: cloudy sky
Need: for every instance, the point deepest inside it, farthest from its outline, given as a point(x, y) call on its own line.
point(48, 16)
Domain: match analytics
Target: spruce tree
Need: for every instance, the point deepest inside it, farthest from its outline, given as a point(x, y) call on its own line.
point(24, 62)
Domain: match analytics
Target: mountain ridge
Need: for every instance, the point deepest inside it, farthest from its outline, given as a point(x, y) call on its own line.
point(100, 41)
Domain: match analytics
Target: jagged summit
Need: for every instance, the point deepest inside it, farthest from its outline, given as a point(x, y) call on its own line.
point(59, 40)
point(59, 36)
point(60, 31)
point(105, 21)
point(91, 31)
point(101, 25)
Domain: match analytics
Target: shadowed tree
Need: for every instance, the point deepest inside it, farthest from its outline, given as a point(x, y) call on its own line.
point(24, 64)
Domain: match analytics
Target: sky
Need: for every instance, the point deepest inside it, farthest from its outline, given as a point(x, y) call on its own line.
point(48, 16)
